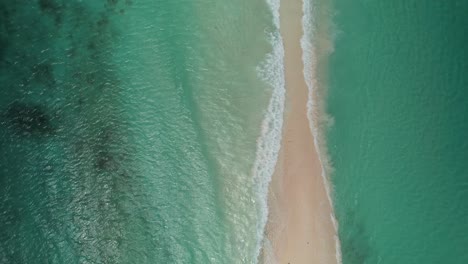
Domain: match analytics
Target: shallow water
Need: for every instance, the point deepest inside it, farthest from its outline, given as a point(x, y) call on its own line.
point(128, 130)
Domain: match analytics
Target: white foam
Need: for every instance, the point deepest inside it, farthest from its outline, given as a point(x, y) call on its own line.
point(269, 142)
point(314, 110)
point(275, 10)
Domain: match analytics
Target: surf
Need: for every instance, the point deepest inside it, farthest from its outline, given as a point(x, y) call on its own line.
point(271, 71)
point(318, 119)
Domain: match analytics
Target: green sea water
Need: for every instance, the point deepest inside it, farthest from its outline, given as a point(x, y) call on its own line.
point(128, 130)
point(399, 97)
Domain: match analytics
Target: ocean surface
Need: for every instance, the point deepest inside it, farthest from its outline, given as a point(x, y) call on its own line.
point(137, 131)
point(147, 131)
point(398, 93)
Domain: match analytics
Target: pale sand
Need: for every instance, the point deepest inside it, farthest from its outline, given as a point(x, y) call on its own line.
point(300, 226)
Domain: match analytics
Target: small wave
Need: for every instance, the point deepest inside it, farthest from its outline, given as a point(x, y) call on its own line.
point(315, 111)
point(269, 143)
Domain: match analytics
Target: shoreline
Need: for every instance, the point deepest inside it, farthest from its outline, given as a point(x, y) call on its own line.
point(300, 227)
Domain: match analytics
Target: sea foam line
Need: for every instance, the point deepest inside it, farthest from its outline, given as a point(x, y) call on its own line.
point(269, 143)
point(314, 110)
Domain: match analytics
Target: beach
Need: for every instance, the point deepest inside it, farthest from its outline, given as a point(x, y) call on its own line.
point(300, 226)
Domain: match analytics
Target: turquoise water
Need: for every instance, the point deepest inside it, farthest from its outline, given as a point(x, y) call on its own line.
point(129, 130)
point(398, 94)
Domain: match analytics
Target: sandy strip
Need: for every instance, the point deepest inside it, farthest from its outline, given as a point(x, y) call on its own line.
point(300, 228)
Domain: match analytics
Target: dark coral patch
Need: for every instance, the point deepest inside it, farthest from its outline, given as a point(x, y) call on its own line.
point(48, 5)
point(355, 243)
point(29, 119)
point(112, 2)
point(105, 157)
point(105, 161)
point(102, 22)
point(3, 48)
point(53, 8)
point(44, 73)
point(4, 31)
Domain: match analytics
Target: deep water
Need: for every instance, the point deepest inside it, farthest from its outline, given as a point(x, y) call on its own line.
point(399, 96)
